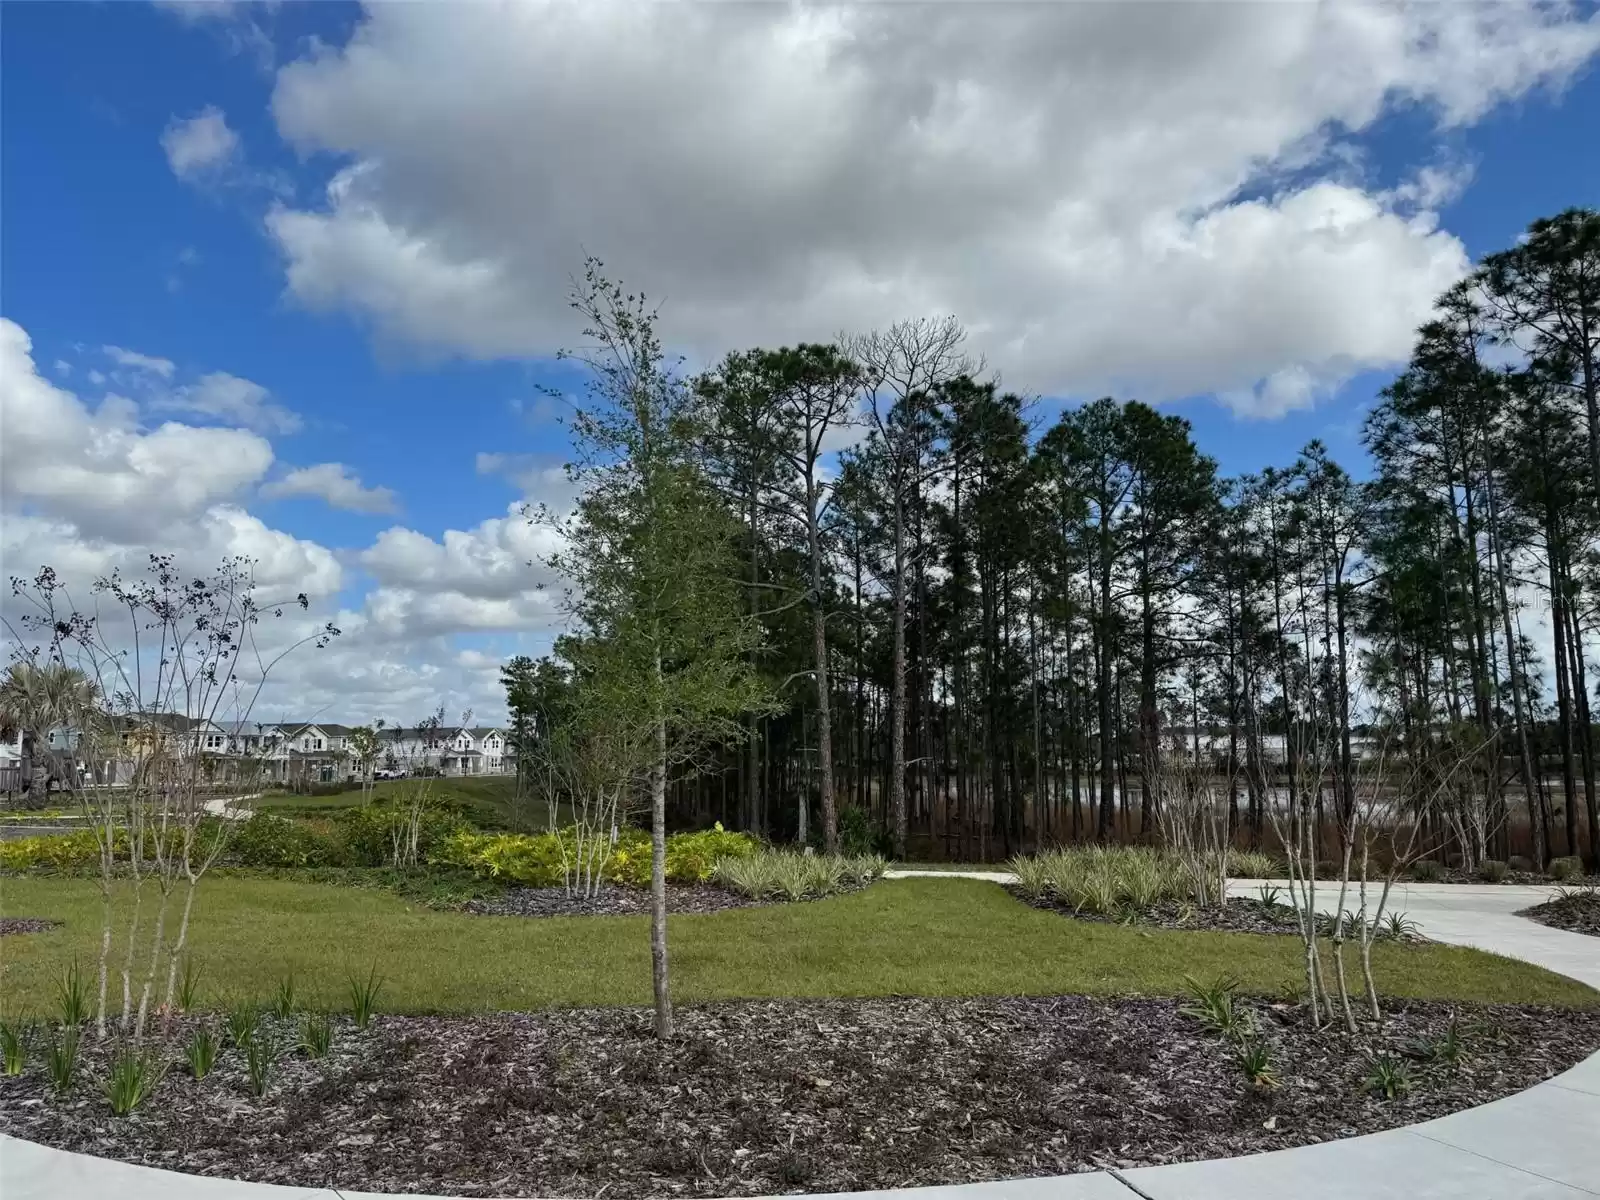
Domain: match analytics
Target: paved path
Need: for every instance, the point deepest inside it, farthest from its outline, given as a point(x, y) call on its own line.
point(1541, 1144)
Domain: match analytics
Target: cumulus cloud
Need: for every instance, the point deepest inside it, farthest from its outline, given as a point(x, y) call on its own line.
point(201, 145)
point(335, 484)
point(224, 397)
point(1101, 192)
point(86, 490)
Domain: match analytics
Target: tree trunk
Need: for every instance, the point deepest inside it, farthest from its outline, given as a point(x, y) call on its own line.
point(658, 876)
point(897, 735)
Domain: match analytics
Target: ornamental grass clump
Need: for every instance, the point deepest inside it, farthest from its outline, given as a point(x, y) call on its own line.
point(1103, 880)
point(134, 1075)
point(783, 874)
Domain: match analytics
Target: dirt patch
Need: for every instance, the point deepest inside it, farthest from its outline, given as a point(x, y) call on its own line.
point(785, 1096)
point(11, 925)
point(1577, 912)
point(1237, 915)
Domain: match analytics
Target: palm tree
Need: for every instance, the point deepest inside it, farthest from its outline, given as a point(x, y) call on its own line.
point(37, 699)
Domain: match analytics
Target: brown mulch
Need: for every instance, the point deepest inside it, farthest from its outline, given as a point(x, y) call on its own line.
point(10, 925)
point(762, 1097)
point(1578, 912)
point(612, 901)
point(1238, 915)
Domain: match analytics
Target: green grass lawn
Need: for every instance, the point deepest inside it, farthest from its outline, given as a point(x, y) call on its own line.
point(918, 936)
point(490, 801)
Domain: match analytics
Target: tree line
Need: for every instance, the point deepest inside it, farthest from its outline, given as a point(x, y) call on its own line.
point(860, 591)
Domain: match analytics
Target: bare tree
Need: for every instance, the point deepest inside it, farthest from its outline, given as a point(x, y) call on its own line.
point(900, 369)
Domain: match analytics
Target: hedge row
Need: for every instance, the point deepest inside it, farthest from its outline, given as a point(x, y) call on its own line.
point(365, 838)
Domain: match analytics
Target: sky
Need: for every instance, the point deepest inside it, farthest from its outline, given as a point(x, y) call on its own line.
point(288, 280)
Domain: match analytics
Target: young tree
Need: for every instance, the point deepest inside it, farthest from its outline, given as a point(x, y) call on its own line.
point(650, 555)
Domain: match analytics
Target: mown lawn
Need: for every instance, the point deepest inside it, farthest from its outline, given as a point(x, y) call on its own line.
point(490, 801)
point(917, 936)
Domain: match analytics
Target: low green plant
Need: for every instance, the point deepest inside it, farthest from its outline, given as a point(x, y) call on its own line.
point(316, 1035)
point(1449, 1048)
point(72, 996)
point(283, 998)
point(1252, 864)
point(1032, 875)
point(773, 874)
point(1387, 1077)
point(244, 1022)
point(1212, 1004)
point(1270, 897)
point(364, 995)
point(14, 1039)
point(1427, 870)
point(1254, 1059)
point(1565, 868)
point(189, 983)
point(1399, 926)
point(200, 1051)
point(1492, 870)
point(260, 1059)
point(1519, 863)
point(61, 1059)
point(134, 1075)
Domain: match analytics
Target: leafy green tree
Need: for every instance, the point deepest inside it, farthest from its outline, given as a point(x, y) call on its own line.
point(651, 556)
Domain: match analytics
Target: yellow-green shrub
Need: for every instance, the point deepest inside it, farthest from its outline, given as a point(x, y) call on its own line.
point(537, 860)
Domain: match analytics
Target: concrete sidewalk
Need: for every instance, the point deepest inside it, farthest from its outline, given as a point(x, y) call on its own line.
point(1541, 1144)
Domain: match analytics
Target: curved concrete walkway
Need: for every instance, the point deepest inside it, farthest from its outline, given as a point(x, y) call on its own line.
point(1541, 1144)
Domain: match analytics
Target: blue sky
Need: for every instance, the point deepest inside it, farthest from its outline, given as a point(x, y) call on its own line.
point(406, 321)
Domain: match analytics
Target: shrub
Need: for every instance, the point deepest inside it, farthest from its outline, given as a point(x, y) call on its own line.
point(367, 835)
point(1212, 1004)
point(1493, 871)
point(1518, 863)
point(770, 874)
point(859, 835)
point(1427, 870)
point(536, 860)
point(1104, 880)
point(1566, 868)
point(1252, 864)
point(268, 840)
point(1387, 1077)
point(62, 852)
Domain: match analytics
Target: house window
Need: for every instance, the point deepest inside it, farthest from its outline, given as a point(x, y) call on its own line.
point(213, 741)
point(319, 744)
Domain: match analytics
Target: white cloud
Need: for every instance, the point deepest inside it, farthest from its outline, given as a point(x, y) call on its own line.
point(1096, 190)
point(91, 488)
point(334, 483)
point(140, 362)
point(228, 398)
point(201, 145)
point(542, 477)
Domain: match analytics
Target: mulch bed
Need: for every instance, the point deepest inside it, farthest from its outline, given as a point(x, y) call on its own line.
point(764, 1097)
point(1511, 879)
point(616, 900)
point(1578, 913)
point(612, 901)
point(10, 925)
point(1237, 915)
